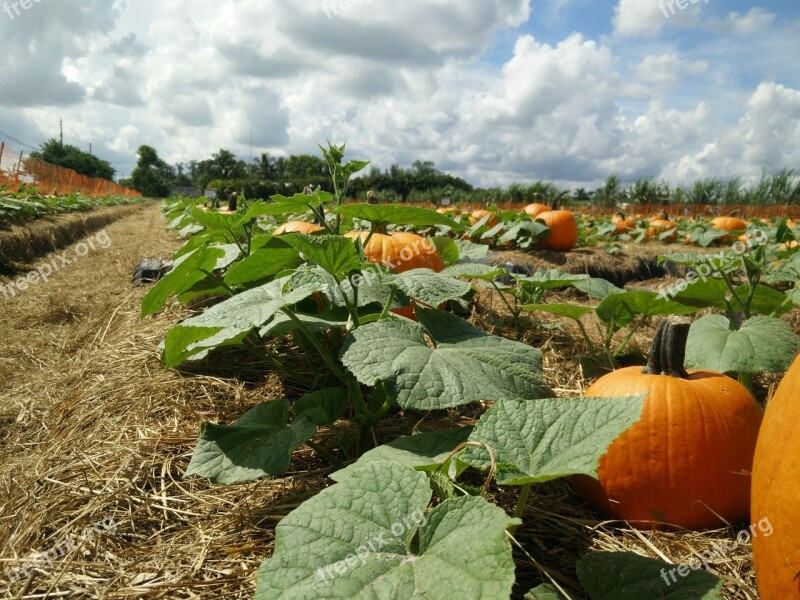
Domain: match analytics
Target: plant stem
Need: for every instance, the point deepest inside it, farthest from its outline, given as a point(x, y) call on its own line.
point(523, 500)
point(323, 452)
point(628, 337)
point(669, 348)
point(337, 372)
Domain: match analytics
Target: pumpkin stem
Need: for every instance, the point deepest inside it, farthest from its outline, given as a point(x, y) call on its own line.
point(669, 348)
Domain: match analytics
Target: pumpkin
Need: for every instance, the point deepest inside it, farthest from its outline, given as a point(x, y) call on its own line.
point(298, 227)
point(776, 493)
point(687, 461)
point(400, 251)
point(790, 245)
point(563, 229)
point(662, 224)
point(534, 209)
point(728, 224)
point(624, 225)
point(477, 215)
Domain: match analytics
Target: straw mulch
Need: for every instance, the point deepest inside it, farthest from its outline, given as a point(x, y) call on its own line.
point(93, 430)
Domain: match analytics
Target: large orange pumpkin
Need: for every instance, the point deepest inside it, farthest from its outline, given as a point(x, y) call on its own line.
point(687, 461)
point(298, 227)
point(776, 493)
point(400, 251)
point(563, 229)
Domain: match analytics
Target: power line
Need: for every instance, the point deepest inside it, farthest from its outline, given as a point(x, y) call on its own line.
point(15, 140)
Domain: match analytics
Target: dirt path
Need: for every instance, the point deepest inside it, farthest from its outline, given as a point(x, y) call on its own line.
point(92, 428)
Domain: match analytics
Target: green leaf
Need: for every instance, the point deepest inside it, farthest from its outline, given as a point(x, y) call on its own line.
point(324, 321)
point(334, 253)
point(259, 444)
point(536, 441)
point(623, 308)
point(430, 287)
point(766, 300)
point(231, 320)
point(421, 451)
point(474, 271)
point(472, 251)
point(354, 539)
point(573, 311)
point(215, 220)
point(265, 262)
point(464, 365)
point(184, 274)
point(281, 205)
point(761, 344)
point(546, 591)
point(447, 249)
point(323, 407)
point(628, 576)
point(794, 295)
point(395, 214)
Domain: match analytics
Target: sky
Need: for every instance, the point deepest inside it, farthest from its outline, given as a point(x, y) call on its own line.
point(494, 91)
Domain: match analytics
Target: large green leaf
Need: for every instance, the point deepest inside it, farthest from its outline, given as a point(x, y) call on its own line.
point(540, 440)
point(335, 254)
point(546, 591)
point(623, 308)
point(464, 365)
point(257, 445)
point(472, 251)
point(422, 451)
point(282, 205)
point(231, 319)
point(184, 274)
point(355, 540)
point(270, 259)
point(761, 344)
point(573, 311)
point(430, 287)
point(629, 576)
point(474, 271)
point(394, 214)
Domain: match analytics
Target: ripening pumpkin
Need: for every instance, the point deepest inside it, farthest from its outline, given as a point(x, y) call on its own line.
point(776, 493)
point(298, 227)
point(563, 229)
point(623, 223)
point(400, 251)
point(534, 209)
point(728, 224)
point(477, 215)
point(661, 225)
point(687, 461)
point(790, 245)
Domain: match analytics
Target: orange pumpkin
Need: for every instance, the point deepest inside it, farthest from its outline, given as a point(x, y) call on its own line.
point(624, 225)
point(477, 215)
point(687, 461)
point(563, 229)
point(790, 245)
point(400, 252)
point(661, 225)
point(728, 224)
point(534, 209)
point(776, 493)
point(298, 227)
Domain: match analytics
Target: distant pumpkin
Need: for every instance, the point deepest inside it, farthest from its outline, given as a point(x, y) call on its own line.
point(298, 227)
point(479, 214)
point(563, 229)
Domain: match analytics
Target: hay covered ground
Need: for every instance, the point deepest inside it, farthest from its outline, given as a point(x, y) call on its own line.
point(93, 430)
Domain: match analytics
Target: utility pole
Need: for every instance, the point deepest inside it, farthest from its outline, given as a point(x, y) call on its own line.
point(90, 147)
point(61, 131)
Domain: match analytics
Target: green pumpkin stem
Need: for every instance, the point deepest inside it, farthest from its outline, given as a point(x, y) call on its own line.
point(669, 348)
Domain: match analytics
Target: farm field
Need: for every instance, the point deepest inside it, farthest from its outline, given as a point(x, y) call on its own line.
point(96, 430)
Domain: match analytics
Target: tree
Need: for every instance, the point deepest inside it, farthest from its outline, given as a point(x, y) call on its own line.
point(152, 176)
point(71, 157)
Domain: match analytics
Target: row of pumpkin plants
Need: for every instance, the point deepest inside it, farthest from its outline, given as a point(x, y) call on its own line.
point(554, 228)
point(657, 446)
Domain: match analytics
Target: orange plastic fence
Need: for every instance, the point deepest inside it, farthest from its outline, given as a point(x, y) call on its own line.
point(16, 171)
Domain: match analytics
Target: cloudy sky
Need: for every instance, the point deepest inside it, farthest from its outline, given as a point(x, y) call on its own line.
point(495, 91)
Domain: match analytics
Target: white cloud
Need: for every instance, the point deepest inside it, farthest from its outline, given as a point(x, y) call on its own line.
point(667, 69)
